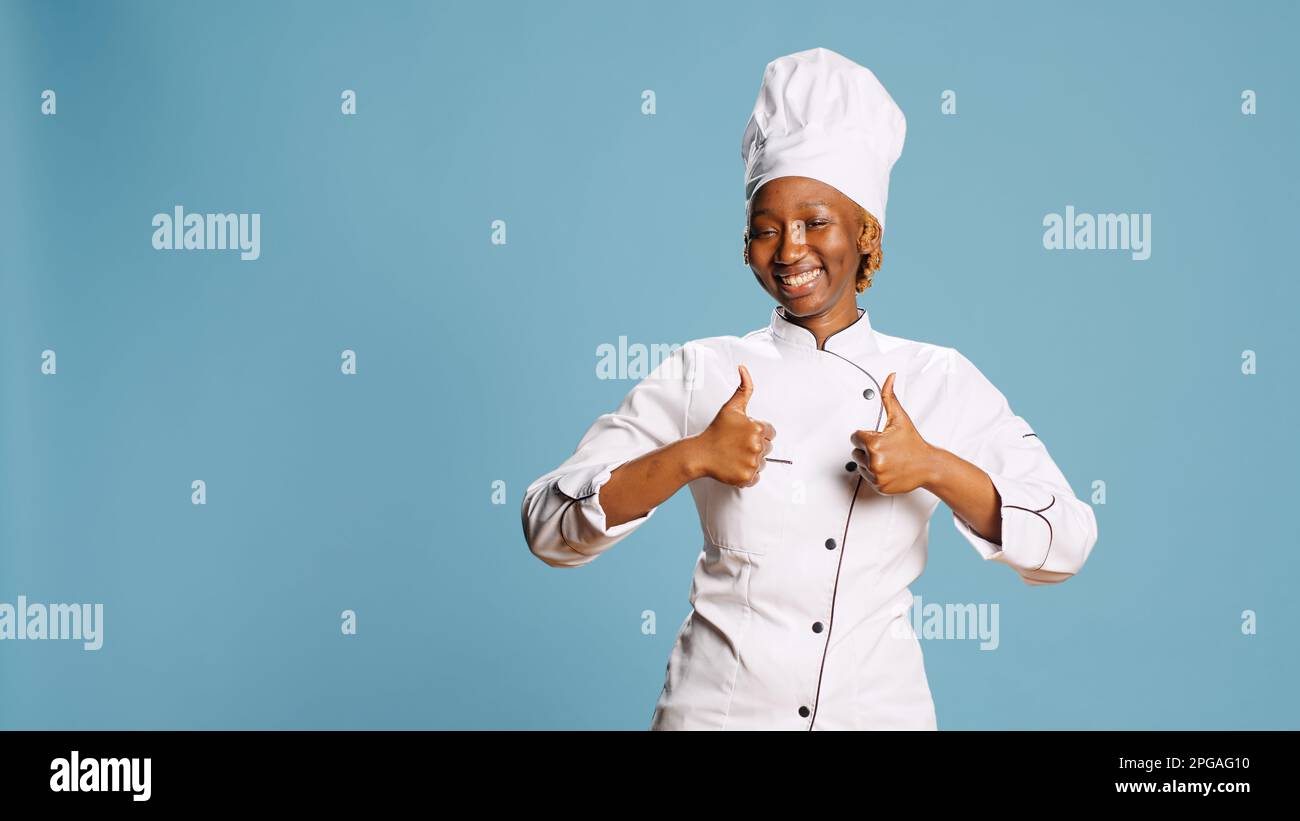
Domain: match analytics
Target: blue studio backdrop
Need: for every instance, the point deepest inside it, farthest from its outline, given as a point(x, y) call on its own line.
point(290, 471)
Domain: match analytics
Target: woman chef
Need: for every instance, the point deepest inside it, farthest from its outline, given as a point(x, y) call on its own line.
point(816, 448)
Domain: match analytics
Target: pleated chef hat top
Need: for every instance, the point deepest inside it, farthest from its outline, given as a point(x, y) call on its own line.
point(821, 115)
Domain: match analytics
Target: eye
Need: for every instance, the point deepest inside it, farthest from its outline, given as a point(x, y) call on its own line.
point(819, 222)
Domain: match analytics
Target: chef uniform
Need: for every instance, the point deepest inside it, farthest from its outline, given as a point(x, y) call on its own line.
point(800, 591)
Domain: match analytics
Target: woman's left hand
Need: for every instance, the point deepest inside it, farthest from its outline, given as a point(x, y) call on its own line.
point(896, 459)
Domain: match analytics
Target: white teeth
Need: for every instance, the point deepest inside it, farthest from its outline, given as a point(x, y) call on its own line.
point(802, 279)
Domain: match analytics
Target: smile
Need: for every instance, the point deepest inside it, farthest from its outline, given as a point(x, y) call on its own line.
point(800, 283)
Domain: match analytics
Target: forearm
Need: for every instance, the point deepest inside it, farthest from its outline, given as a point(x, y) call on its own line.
point(968, 491)
point(648, 481)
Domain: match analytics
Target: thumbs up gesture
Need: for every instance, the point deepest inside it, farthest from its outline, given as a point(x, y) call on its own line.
point(734, 446)
point(896, 459)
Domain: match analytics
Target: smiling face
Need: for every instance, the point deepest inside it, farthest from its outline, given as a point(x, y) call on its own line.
point(805, 246)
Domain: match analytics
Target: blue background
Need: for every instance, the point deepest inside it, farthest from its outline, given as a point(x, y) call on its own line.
point(476, 362)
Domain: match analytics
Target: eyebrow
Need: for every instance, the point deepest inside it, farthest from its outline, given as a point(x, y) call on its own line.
point(805, 204)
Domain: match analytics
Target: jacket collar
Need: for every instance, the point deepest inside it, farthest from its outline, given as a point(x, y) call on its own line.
point(856, 340)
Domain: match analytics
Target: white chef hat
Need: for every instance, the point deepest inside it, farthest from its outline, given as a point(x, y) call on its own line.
point(821, 115)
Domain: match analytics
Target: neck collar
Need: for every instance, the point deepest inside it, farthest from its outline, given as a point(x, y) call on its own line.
point(854, 340)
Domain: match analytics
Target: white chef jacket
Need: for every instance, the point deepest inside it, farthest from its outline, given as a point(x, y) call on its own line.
point(800, 592)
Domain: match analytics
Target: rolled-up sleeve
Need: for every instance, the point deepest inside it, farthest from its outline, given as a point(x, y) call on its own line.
point(1047, 531)
point(564, 523)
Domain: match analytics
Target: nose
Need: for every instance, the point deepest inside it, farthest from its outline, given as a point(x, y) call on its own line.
point(791, 246)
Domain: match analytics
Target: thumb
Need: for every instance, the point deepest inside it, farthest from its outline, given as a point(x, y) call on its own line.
point(893, 408)
point(740, 399)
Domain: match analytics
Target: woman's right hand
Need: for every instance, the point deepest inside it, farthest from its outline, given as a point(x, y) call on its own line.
point(734, 446)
